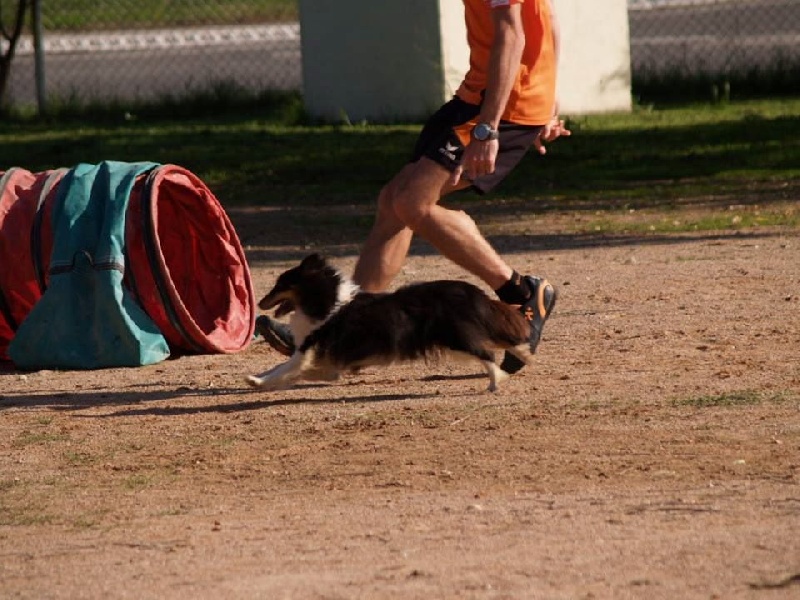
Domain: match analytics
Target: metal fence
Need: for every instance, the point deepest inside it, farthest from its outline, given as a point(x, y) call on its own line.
point(135, 50)
point(150, 50)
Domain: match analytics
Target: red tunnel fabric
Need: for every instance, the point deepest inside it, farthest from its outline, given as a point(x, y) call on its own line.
point(22, 194)
point(187, 264)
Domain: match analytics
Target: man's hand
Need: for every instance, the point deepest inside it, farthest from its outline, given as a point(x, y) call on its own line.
point(478, 159)
point(552, 131)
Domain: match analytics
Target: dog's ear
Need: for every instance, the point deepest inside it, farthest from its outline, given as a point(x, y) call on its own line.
point(313, 261)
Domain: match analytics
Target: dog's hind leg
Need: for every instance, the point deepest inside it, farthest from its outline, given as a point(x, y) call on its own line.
point(496, 374)
point(486, 358)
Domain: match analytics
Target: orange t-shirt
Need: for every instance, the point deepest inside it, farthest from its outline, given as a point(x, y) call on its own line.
point(533, 95)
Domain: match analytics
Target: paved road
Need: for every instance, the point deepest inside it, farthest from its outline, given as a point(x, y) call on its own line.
point(711, 36)
point(147, 65)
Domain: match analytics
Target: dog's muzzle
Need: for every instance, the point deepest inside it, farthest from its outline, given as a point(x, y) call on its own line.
point(284, 302)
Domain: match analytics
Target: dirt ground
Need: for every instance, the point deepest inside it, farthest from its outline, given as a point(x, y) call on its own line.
point(653, 450)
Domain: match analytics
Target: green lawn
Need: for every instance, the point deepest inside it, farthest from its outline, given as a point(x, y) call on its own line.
point(72, 15)
point(741, 153)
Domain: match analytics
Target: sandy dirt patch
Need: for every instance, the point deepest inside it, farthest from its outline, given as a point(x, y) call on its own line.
point(653, 451)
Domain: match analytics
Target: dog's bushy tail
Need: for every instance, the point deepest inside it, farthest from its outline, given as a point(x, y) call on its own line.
point(506, 326)
point(467, 316)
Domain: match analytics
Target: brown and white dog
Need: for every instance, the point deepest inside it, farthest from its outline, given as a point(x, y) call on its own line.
point(338, 328)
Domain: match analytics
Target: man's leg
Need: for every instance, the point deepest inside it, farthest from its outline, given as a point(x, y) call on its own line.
point(386, 247)
point(410, 204)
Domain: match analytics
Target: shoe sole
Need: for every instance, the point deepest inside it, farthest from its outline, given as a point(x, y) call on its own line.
point(544, 284)
point(273, 339)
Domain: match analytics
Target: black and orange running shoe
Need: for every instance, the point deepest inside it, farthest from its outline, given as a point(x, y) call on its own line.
point(536, 310)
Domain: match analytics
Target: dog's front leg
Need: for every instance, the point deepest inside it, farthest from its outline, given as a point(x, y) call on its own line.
point(282, 376)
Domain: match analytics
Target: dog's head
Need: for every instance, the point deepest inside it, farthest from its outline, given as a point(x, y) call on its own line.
point(313, 286)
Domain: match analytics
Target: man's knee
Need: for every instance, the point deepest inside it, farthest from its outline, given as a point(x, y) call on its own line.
point(411, 195)
point(396, 202)
point(409, 212)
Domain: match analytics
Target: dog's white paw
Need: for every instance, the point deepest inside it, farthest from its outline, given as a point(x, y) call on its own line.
point(266, 383)
point(255, 381)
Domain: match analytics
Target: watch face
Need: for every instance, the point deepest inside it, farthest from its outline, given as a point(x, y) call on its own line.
point(482, 132)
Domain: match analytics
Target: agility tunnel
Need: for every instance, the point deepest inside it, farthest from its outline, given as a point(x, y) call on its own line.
point(84, 250)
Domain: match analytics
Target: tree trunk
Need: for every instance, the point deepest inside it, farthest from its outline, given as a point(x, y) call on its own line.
point(12, 37)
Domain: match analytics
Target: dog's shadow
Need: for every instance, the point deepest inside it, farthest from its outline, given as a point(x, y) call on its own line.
point(141, 399)
point(463, 377)
point(137, 398)
point(262, 404)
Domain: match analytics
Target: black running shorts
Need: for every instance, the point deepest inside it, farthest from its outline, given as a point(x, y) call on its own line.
point(440, 142)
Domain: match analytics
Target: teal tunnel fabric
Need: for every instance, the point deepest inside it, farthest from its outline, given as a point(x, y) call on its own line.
point(86, 317)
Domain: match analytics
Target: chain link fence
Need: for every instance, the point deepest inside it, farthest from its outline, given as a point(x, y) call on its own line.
point(151, 50)
point(140, 51)
point(685, 48)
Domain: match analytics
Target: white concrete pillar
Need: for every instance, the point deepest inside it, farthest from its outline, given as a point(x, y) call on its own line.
point(594, 73)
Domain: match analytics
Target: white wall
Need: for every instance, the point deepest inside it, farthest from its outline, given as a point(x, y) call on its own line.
point(594, 72)
point(394, 60)
point(455, 52)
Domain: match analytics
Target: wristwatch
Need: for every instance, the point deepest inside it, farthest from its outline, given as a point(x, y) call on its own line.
point(483, 132)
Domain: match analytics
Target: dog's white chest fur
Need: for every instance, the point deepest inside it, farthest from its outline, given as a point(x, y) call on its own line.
point(302, 325)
